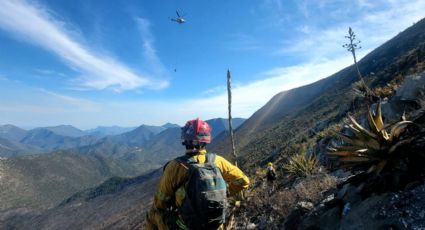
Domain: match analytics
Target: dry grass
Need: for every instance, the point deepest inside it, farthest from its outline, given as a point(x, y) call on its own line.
point(270, 210)
point(311, 189)
point(388, 89)
point(329, 131)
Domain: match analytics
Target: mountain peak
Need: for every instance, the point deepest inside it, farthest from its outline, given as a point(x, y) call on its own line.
point(170, 125)
point(66, 130)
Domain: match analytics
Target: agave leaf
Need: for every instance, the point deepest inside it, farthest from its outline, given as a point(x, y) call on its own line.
point(350, 140)
point(362, 151)
point(385, 135)
point(378, 117)
point(371, 169)
point(398, 128)
point(354, 159)
point(342, 153)
point(380, 166)
point(372, 123)
point(360, 128)
point(331, 149)
point(362, 140)
point(403, 117)
point(372, 144)
point(346, 148)
point(400, 143)
point(361, 135)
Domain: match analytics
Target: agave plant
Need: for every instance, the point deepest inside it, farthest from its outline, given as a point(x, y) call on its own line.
point(301, 165)
point(371, 147)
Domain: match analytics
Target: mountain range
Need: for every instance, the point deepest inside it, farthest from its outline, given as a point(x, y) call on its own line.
point(81, 166)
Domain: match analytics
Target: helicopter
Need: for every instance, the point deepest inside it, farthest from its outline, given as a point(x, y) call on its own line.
point(179, 19)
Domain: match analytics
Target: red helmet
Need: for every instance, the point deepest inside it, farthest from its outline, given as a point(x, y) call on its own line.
point(198, 130)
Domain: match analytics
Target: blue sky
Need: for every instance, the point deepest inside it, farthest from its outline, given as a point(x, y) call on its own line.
point(94, 62)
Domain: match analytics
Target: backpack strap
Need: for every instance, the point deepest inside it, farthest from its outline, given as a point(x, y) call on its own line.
point(163, 168)
point(210, 158)
point(186, 159)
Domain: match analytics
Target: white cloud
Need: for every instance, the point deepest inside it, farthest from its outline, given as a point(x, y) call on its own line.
point(250, 97)
point(323, 54)
point(322, 50)
point(373, 27)
point(78, 103)
point(50, 72)
point(149, 51)
point(27, 106)
point(33, 23)
point(51, 108)
point(246, 98)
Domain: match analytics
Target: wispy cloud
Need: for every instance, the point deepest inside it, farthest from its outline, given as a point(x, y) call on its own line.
point(28, 106)
point(77, 103)
point(247, 98)
point(373, 27)
point(33, 23)
point(51, 108)
point(149, 51)
point(49, 72)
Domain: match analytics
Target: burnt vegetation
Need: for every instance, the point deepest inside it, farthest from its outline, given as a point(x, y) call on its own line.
point(358, 139)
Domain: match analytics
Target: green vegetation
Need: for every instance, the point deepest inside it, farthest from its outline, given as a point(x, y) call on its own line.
point(301, 165)
point(371, 147)
point(42, 181)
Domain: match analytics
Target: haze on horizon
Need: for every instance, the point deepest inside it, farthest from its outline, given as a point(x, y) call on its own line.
point(87, 64)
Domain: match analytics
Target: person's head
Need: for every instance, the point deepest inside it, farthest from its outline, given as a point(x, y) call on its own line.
point(196, 134)
point(270, 164)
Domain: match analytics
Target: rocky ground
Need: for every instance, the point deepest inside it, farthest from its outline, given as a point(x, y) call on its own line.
point(352, 199)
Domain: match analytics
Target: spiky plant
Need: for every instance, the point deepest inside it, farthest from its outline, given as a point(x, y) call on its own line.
point(360, 88)
point(301, 165)
point(374, 147)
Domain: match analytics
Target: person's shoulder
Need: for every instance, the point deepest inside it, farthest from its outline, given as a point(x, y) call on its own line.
point(173, 163)
point(220, 160)
point(218, 156)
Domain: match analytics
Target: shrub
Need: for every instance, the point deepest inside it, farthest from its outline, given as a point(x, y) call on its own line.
point(374, 147)
point(301, 165)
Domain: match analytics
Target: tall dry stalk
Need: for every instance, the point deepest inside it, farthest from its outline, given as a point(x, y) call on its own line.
point(229, 97)
point(352, 46)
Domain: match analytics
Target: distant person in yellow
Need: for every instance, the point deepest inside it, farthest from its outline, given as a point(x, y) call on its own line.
point(192, 192)
point(270, 176)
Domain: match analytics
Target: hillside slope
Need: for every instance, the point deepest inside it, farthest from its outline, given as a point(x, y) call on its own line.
point(49, 140)
point(116, 204)
point(41, 181)
point(12, 133)
point(66, 130)
point(289, 115)
point(10, 148)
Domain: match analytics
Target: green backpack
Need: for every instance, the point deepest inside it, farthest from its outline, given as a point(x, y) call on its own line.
point(205, 203)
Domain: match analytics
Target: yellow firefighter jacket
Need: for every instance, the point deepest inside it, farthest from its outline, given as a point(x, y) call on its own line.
point(169, 194)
